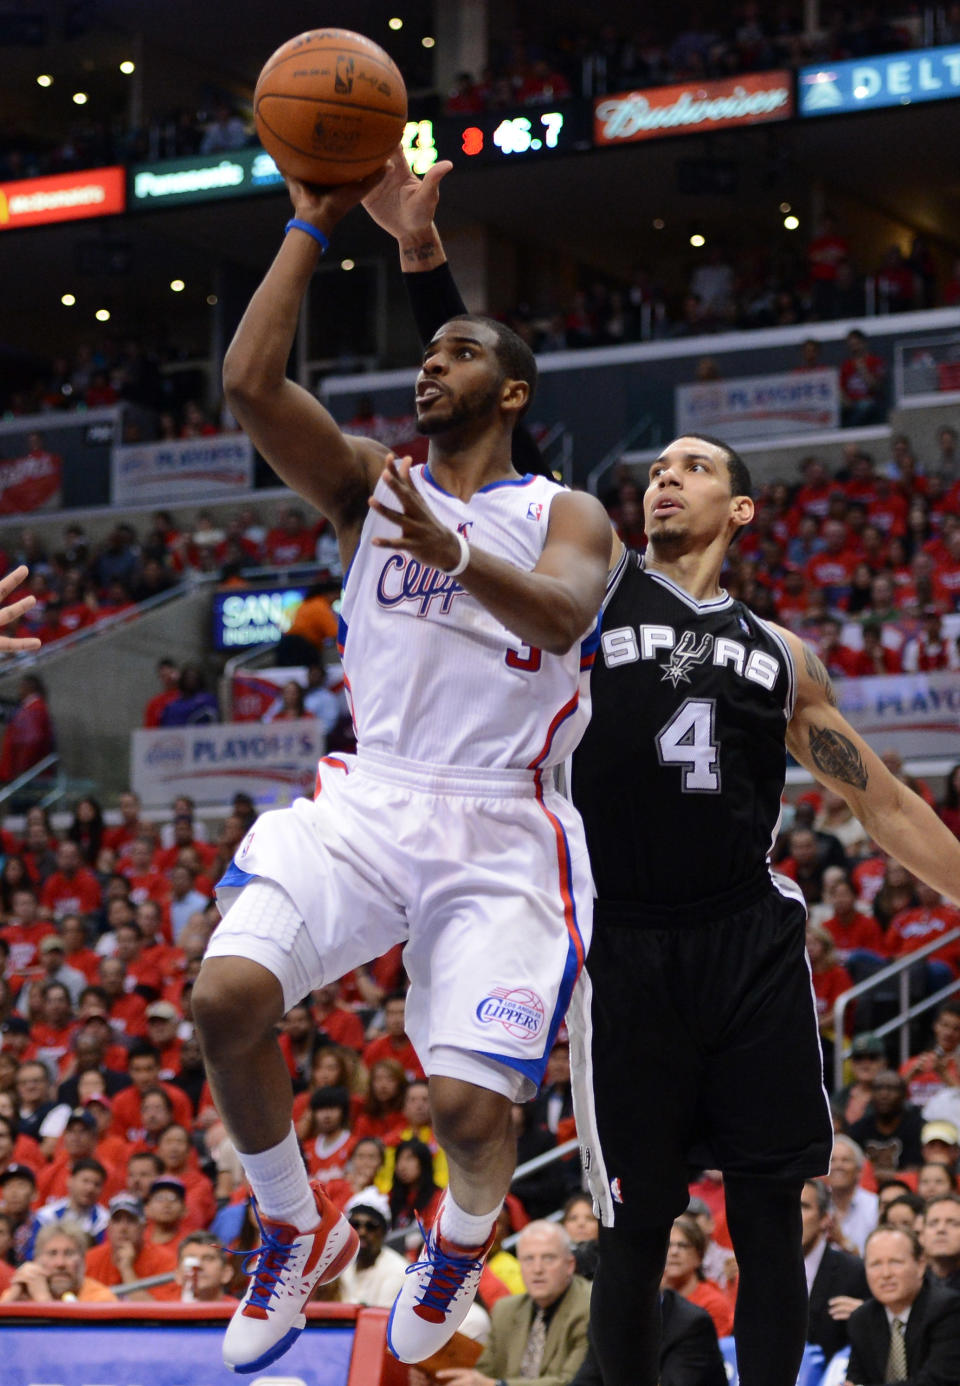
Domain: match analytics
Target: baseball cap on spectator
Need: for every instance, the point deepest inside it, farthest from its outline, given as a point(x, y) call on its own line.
point(162, 1010)
point(99, 1097)
point(370, 1200)
point(85, 1117)
point(18, 1172)
point(867, 1047)
point(126, 1203)
point(940, 1131)
point(51, 943)
point(168, 1181)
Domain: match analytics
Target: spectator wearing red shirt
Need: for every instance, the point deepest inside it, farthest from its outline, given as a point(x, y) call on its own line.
point(838, 659)
point(184, 835)
point(73, 888)
point(937, 1068)
point(825, 253)
point(832, 568)
point(75, 611)
point(382, 1112)
point(129, 827)
point(325, 1134)
point(862, 484)
point(162, 1022)
point(813, 497)
point(928, 650)
point(180, 1161)
point(169, 675)
point(52, 1033)
point(128, 1011)
point(394, 1044)
point(144, 1070)
point(874, 658)
point(683, 1273)
point(155, 951)
point(896, 283)
point(857, 937)
point(911, 929)
point(337, 1021)
point(24, 932)
point(123, 1258)
point(465, 97)
point(889, 509)
point(142, 972)
point(76, 953)
point(861, 383)
point(291, 541)
point(29, 733)
point(78, 1142)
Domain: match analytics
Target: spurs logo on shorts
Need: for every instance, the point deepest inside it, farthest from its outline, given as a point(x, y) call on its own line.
point(520, 1011)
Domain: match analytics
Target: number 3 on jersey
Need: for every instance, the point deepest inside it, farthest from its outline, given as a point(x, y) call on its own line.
point(528, 658)
point(688, 740)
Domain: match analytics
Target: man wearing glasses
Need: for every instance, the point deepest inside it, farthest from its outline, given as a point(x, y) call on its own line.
point(377, 1274)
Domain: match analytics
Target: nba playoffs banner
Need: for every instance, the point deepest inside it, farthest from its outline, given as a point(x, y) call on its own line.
point(915, 714)
point(692, 107)
point(760, 406)
point(273, 764)
point(866, 84)
point(186, 469)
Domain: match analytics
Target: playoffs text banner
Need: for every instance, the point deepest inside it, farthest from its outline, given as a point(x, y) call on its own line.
point(273, 764)
point(760, 406)
point(692, 108)
point(187, 469)
point(915, 714)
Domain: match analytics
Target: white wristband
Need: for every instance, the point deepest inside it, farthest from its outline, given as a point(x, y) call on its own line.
point(462, 561)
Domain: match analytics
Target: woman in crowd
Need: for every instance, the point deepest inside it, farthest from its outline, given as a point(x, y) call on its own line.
point(413, 1195)
point(683, 1273)
point(382, 1113)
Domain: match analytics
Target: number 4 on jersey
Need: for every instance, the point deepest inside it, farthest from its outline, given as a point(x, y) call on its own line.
point(688, 740)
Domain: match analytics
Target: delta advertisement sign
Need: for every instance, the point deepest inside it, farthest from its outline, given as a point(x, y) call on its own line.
point(94, 192)
point(867, 84)
point(692, 107)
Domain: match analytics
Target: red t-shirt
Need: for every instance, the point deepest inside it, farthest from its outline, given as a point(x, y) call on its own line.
point(79, 894)
point(153, 709)
point(862, 931)
point(911, 929)
point(831, 569)
point(827, 986)
point(386, 1047)
point(284, 549)
point(126, 1111)
point(343, 1027)
point(152, 1260)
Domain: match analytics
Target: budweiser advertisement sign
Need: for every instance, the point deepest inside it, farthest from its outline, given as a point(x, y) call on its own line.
point(95, 192)
point(692, 107)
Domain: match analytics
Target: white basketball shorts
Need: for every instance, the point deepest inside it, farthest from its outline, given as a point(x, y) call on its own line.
point(483, 874)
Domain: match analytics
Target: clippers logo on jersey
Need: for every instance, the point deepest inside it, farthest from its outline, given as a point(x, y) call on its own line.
point(464, 528)
point(520, 1011)
point(406, 580)
point(534, 510)
point(628, 644)
point(687, 654)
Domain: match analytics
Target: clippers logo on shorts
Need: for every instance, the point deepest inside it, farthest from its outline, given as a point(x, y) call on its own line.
point(403, 579)
point(520, 1011)
point(616, 1190)
point(534, 510)
point(686, 656)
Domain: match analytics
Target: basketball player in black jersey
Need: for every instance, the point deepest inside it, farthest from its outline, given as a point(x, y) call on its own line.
point(693, 1033)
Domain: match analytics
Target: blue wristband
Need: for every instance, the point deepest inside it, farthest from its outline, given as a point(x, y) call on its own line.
point(296, 224)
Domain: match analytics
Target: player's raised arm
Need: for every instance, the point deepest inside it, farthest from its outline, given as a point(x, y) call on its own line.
point(552, 606)
point(290, 428)
point(899, 820)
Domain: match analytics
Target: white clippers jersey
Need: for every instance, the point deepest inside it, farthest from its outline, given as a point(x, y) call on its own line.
point(432, 675)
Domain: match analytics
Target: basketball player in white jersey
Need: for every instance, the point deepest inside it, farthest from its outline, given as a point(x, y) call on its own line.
point(468, 627)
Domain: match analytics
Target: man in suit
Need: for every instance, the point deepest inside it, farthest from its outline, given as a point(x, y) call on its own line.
point(910, 1331)
point(836, 1282)
point(538, 1337)
point(940, 1240)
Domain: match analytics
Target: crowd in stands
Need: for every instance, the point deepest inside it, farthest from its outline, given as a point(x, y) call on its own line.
point(755, 285)
point(542, 64)
point(864, 563)
point(114, 1165)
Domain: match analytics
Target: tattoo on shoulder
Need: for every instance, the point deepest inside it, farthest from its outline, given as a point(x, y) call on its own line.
point(815, 668)
point(837, 756)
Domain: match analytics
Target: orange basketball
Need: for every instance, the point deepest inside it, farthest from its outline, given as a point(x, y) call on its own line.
point(330, 106)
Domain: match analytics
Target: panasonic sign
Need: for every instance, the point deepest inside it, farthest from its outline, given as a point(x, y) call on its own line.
point(866, 84)
point(203, 179)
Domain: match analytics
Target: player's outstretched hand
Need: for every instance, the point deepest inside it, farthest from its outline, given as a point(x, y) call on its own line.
point(421, 534)
point(324, 207)
point(403, 204)
point(13, 612)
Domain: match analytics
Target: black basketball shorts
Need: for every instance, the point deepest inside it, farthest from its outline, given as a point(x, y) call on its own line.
point(695, 1046)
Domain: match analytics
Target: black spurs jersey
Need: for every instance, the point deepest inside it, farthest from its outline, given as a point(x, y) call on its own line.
point(680, 773)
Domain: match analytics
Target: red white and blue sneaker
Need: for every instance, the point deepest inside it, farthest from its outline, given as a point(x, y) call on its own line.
point(436, 1296)
point(284, 1270)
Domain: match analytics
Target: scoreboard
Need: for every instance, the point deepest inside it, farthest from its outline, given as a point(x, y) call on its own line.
point(499, 137)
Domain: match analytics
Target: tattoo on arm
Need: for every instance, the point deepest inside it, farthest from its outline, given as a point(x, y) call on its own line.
point(818, 673)
point(420, 252)
point(837, 756)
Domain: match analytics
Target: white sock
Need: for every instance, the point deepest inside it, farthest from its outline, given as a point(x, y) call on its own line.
point(465, 1229)
point(279, 1181)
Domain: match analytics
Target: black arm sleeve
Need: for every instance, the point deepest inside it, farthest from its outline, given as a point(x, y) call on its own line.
point(435, 298)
